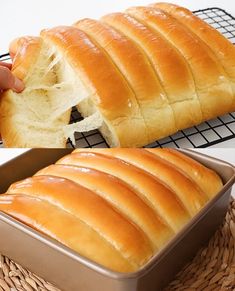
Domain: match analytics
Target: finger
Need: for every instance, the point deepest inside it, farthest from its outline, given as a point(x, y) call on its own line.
point(3, 64)
point(6, 78)
point(8, 81)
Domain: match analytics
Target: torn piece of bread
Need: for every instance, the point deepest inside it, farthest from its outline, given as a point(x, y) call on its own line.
point(37, 116)
point(137, 76)
point(25, 116)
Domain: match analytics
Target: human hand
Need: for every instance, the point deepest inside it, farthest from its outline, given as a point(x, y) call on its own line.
point(8, 80)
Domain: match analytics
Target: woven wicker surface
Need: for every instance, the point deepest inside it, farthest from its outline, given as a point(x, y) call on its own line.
point(213, 268)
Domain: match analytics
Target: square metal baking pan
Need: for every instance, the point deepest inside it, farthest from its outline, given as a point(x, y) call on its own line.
point(71, 272)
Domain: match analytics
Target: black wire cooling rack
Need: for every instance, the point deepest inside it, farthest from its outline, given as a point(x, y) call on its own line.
point(207, 134)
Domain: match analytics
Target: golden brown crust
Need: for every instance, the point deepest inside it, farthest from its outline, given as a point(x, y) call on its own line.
point(222, 47)
point(118, 193)
point(168, 63)
point(215, 94)
point(158, 196)
point(26, 50)
point(88, 207)
point(32, 211)
point(188, 192)
point(94, 68)
point(207, 179)
point(138, 71)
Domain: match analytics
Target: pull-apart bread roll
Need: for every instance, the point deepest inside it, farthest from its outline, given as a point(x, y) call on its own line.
point(137, 76)
point(116, 207)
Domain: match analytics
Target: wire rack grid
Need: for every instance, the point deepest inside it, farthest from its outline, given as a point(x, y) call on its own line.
point(210, 133)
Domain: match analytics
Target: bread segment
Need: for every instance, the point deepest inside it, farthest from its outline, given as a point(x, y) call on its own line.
point(138, 71)
point(215, 92)
point(184, 188)
point(223, 48)
point(168, 64)
point(88, 243)
point(206, 179)
point(119, 194)
point(110, 93)
point(162, 199)
point(89, 208)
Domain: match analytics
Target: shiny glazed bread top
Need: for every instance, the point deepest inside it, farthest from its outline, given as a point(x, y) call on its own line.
point(117, 207)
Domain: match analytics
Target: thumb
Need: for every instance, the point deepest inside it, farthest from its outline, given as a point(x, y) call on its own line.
point(9, 81)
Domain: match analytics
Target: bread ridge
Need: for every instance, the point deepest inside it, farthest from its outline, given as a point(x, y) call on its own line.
point(29, 211)
point(219, 44)
point(167, 63)
point(117, 193)
point(143, 81)
point(208, 180)
point(110, 92)
point(146, 185)
point(89, 208)
point(188, 192)
point(199, 56)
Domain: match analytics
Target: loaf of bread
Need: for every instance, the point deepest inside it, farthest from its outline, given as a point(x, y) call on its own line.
point(137, 76)
point(116, 207)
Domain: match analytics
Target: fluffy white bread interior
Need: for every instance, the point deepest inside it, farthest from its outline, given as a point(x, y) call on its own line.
point(39, 116)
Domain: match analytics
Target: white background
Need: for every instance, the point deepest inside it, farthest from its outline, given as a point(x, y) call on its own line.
point(223, 154)
point(28, 17)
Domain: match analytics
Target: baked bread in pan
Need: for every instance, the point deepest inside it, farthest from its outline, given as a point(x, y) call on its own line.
point(116, 207)
point(138, 76)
